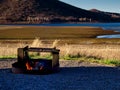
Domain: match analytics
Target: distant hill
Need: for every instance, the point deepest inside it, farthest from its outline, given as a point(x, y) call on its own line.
point(113, 15)
point(49, 11)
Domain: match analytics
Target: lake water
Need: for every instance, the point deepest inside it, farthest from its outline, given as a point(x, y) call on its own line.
point(105, 26)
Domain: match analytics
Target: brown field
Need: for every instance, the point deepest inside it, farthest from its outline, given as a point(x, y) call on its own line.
point(51, 32)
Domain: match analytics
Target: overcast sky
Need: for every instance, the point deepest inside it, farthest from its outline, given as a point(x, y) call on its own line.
point(103, 5)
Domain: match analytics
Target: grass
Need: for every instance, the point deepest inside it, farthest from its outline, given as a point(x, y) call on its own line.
point(75, 43)
point(93, 60)
point(95, 53)
point(101, 51)
point(37, 55)
point(8, 57)
point(24, 32)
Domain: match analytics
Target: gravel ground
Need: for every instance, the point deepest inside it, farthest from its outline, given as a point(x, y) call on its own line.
point(73, 75)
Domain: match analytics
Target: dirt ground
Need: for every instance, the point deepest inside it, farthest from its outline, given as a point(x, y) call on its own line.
point(73, 75)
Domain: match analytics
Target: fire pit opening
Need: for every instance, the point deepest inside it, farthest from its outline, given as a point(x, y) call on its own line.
point(36, 60)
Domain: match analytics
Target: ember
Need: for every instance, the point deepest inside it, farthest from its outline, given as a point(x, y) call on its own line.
point(38, 65)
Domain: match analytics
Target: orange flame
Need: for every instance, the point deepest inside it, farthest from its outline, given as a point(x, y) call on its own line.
point(28, 66)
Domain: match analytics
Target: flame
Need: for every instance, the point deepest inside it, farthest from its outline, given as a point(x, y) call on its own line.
point(36, 66)
point(28, 66)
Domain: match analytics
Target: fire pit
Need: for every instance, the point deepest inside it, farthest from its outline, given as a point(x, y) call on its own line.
point(26, 64)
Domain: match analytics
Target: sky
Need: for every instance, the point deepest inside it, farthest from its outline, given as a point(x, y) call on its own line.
point(103, 5)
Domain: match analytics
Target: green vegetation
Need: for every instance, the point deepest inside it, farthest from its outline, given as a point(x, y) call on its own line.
point(8, 57)
point(37, 55)
point(93, 60)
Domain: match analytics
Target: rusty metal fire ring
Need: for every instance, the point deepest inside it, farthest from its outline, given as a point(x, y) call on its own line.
point(25, 64)
point(17, 68)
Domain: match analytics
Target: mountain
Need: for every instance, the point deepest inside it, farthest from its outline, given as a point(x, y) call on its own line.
point(48, 11)
point(113, 15)
point(95, 10)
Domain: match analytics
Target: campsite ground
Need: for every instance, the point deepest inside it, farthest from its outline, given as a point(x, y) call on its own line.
point(73, 75)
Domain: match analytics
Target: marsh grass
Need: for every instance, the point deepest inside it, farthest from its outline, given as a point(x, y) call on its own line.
point(49, 32)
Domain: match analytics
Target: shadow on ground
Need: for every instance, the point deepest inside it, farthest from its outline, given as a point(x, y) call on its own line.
point(69, 78)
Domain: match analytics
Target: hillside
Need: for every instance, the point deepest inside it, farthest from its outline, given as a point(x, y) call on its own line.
point(47, 11)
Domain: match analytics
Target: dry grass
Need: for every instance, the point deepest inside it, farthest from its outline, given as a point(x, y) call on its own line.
point(93, 51)
point(8, 50)
point(99, 51)
point(36, 43)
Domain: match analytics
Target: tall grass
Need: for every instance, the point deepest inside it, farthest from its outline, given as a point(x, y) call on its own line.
point(96, 51)
point(36, 43)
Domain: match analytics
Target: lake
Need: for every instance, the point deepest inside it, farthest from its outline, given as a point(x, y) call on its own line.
point(105, 26)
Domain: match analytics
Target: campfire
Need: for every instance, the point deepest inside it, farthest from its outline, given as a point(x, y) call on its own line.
point(25, 64)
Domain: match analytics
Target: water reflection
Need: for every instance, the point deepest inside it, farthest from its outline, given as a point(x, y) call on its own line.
point(109, 36)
